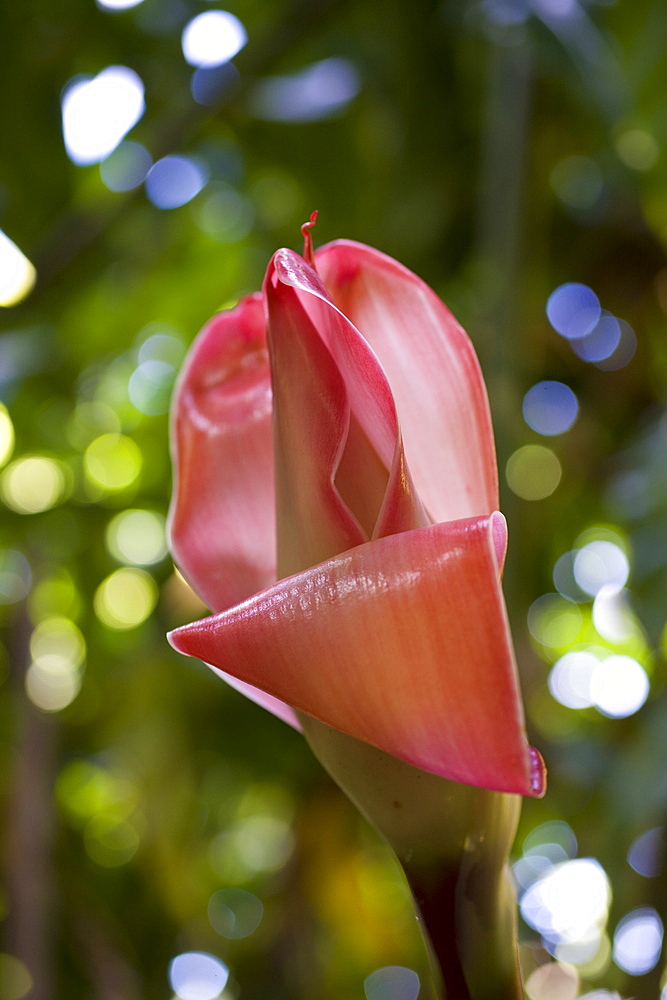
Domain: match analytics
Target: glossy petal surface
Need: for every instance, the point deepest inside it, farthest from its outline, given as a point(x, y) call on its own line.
point(311, 423)
point(433, 373)
point(401, 642)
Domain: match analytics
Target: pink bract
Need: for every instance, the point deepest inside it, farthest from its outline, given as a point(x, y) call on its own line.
point(335, 490)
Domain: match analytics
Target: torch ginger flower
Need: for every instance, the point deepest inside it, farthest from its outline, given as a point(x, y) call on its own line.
point(336, 504)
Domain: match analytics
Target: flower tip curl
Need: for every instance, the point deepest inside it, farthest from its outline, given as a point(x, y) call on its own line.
point(306, 232)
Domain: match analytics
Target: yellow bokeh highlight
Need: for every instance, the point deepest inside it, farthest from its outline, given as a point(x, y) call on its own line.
point(637, 149)
point(112, 461)
point(58, 650)
point(555, 622)
point(137, 536)
point(125, 599)
point(49, 691)
point(597, 964)
point(85, 789)
point(6, 435)
point(102, 804)
point(15, 979)
point(533, 472)
point(33, 484)
point(17, 274)
point(57, 645)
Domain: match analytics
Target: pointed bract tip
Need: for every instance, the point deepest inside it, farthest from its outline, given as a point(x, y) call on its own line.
point(306, 228)
point(499, 529)
point(175, 640)
point(538, 773)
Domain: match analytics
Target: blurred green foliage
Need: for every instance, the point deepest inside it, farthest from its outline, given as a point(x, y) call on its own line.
point(499, 148)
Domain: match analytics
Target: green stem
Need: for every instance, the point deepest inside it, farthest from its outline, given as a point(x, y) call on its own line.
point(453, 842)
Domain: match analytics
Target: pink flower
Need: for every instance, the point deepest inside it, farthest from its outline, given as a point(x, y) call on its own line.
point(333, 433)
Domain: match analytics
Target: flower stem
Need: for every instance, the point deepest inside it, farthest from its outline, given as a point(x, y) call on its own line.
point(452, 842)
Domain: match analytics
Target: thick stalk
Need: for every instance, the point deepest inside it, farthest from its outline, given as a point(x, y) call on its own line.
point(452, 841)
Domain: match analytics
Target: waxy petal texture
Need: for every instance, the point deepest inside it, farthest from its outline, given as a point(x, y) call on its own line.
point(222, 516)
point(433, 372)
point(369, 394)
point(313, 522)
point(401, 642)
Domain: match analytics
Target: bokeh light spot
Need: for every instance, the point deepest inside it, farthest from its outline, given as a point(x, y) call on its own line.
point(15, 979)
point(213, 38)
point(623, 353)
point(392, 982)
point(550, 408)
point(647, 853)
point(118, 4)
point(612, 617)
point(195, 975)
point(619, 686)
point(161, 347)
point(638, 941)
point(553, 981)
point(315, 93)
point(637, 149)
point(33, 484)
point(563, 577)
point(127, 167)
point(17, 274)
point(6, 435)
point(58, 651)
point(600, 995)
point(553, 833)
point(49, 691)
point(235, 913)
point(573, 310)
point(533, 472)
point(591, 956)
point(125, 599)
point(547, 845)
point(138, 537)
point(265, 843)
point(554, 621)
point(570, 903)
point(602, 341)
point(150, 387)
point(112, 461)
point(570, 679)
point(174, 181)
point(98, 112)
point(15, 576)
point(85, 789)
point(599, 564)
point(259, 843)
point(57, 645)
